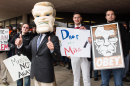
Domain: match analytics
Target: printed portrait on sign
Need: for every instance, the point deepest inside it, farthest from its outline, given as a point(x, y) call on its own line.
point(106, 45)
point(106, 40)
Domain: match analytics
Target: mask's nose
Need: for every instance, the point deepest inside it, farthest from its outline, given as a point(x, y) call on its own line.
point(42, 16)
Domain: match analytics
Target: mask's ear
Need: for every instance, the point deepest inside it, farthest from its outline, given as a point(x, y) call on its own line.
point(51, 29)
point(54, 21)
point(37, 30)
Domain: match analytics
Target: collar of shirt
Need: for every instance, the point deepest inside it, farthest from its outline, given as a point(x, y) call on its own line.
point(43, 36)
point(78, 26)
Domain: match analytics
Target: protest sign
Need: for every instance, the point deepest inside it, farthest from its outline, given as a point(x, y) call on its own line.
point(4, 37)
point(18, 66)
point(107, 46)
point(73, 42)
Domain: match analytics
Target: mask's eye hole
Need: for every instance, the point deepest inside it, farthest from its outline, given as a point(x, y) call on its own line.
point(37, 16)
point(48, 15)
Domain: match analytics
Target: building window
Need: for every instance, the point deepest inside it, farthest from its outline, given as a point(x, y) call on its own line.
point(70, 20)
point(85, 19)
point(13, 22)
point(31, 21)
point(98, 19)
point(61, 19)
point(2, 24)
point(6, 23)
point(19, 21)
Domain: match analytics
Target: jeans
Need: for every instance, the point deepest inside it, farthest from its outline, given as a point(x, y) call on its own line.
point(9, 54)
point(91, 67)
point(117, 73)
point(26, 81)
point(65, 59)
point(126, 69)
point(95, 73)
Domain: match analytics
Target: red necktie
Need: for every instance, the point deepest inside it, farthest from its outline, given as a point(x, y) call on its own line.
point(77, 27)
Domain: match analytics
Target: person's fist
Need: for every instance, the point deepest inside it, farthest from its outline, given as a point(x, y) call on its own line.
point(19, 41)
point(83, 28)
point(50, 44)
point(68, 57)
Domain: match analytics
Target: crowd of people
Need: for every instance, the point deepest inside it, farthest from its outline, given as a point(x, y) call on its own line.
point(75, 64)
point(13, 35)
point(86, 64)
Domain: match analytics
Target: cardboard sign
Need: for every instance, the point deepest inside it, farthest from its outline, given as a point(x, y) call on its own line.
point(4, 37)
point(74, 42)
point(18, 66)
point(107, 48)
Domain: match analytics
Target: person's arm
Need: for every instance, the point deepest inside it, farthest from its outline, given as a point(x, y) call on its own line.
point(56, 52)
point(68, 57)
point(90, 40)
point(125, 39)
point(85, 27)
point(11, 43)
point(21, 48)
point(26, 49)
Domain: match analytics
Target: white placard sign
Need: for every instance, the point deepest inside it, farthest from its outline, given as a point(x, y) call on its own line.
point(4, 37)
point(18, 66)
point(73, 42)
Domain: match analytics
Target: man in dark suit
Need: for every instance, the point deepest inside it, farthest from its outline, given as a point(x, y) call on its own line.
point(80, 63)
point(44, 47)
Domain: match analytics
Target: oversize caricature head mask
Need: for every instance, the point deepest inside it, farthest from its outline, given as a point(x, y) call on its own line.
point(44, 16)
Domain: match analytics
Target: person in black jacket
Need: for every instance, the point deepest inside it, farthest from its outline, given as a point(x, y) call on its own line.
point(27, 37)
point(14, 32)
point(117, 73)
point(34, 33)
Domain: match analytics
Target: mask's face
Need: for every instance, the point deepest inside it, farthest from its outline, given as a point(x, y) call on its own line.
point(106, 41)
point(43, 18)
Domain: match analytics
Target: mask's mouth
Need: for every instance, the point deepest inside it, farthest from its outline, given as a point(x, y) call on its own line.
point(43, 23)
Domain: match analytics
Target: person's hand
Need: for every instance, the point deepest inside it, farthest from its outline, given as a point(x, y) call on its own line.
point(68, 57)
point(50, 44)
point(82, 27)
point(19, 41)
point(90, 40)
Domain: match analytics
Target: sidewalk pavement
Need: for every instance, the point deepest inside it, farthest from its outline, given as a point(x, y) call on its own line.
point(65, 78)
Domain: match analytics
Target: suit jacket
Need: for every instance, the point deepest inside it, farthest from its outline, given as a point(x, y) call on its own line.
point(88, 28)
point(42, 59)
